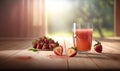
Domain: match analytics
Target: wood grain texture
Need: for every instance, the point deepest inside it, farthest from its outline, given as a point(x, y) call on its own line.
point(15, 55)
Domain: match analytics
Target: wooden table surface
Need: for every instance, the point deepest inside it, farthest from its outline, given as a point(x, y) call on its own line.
point(14, 54)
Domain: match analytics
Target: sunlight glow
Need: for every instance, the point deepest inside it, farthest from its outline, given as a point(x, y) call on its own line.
point(57, 5)
point(57, 13)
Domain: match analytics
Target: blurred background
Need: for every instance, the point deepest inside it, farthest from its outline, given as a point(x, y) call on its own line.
point(61, 14)
point(35, 18)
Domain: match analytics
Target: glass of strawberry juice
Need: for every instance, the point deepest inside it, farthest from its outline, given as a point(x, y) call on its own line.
point(82, 36)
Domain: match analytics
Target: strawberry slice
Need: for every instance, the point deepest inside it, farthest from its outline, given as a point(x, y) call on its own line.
point(58, 50)
point(71, 52)
point(98, 47)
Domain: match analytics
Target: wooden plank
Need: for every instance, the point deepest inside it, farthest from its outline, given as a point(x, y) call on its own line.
point(93, 60)
point(105, 60)
point(13, 44)
point(4, 43)
point(12, 48)
point(80, 61)
point(41, 60)
point(16, 56)
point(114, 44)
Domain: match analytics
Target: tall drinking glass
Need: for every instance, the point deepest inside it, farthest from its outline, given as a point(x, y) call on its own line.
point(82, 36)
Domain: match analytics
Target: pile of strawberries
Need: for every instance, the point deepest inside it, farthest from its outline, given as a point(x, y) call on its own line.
point(49, 43)
point(44, 43)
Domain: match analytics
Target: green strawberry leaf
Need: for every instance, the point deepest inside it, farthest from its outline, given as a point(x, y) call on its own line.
point(33, 49)
point(49, 39)
point(34, 41)
point(98, 42)
point(74, 48)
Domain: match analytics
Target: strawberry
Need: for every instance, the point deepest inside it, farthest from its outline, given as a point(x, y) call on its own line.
point(52, 45)
point(40, 45)
point(98, 47)
point(56, 43)
point(45, 46)
point(71, 52)
point(34, 43)
point(51, 41)
point(58, 50)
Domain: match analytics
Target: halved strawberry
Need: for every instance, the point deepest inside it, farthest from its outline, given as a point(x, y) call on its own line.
point(58, 50)
point(71, 52)
point(98, 47)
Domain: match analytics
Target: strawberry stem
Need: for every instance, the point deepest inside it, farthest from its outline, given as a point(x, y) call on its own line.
point(74, 48)
point(97, 42)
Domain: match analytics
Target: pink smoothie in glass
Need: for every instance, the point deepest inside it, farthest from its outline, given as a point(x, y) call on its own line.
point(83, 39)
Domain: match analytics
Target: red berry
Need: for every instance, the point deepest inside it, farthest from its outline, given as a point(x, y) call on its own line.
point(56, 43)
point(35, 45)
point(41, 39)
point(58, 50)
point(45, 46)
point(51, 41)
point(46, 41)
point(98, 47)
point(51, 45)
point(39, 45)
point(71, 52)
